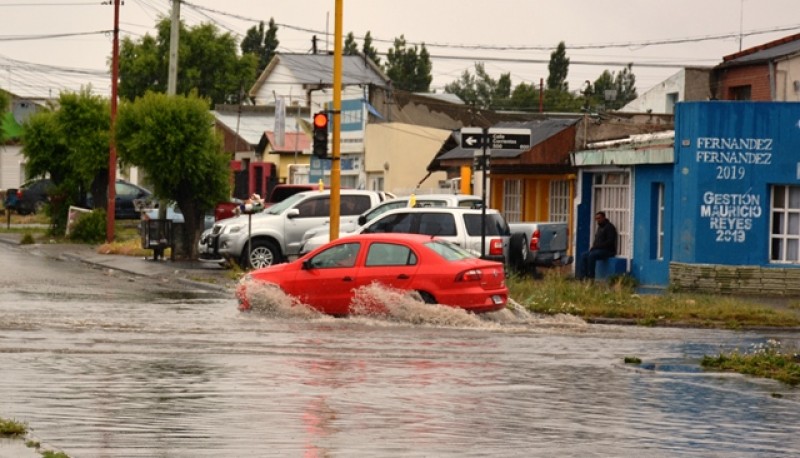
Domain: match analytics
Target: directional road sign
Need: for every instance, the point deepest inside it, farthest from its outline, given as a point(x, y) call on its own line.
point(505, 138)
point(471, 138)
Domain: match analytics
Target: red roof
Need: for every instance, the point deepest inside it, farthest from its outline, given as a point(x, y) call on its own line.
point(292, 141)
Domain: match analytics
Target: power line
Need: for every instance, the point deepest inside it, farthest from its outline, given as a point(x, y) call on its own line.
point(50, 36)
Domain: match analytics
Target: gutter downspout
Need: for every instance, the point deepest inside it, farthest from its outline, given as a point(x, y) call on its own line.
point(772, 80)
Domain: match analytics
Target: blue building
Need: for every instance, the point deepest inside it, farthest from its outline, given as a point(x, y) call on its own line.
point(715, 208)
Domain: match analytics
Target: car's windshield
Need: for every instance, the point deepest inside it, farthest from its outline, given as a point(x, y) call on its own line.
point(385, 207)
point(284, 204)
point(449, 251)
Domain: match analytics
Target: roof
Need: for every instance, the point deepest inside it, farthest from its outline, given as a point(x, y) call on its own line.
point(656, 148)
point(540, 132)
point(292, 142)
point(772, 50)
point(249, 126)
point(317, 69)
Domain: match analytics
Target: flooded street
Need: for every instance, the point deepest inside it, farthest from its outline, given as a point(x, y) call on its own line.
point(102, 365)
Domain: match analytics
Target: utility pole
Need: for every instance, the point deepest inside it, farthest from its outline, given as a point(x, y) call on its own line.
point(112, 147)
point(336, 163)
point(172, 73)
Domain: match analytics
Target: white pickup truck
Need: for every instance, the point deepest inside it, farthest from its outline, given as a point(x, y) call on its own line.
point(547, 243)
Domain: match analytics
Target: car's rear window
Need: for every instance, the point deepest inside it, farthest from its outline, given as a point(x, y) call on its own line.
point(495, 224)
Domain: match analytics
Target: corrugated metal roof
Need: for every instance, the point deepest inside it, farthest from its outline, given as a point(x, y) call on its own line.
point(250, 126)
point(292, 142)
point(318, 69)
point(655, 148)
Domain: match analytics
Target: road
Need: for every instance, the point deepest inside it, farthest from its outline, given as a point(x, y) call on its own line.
point(101, 363)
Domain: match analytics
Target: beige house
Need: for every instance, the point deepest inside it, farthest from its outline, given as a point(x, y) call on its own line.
point(398, 154)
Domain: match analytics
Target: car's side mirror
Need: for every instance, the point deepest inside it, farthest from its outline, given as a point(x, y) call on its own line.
point(307, 265)
point(292, 213)
point(362, 220)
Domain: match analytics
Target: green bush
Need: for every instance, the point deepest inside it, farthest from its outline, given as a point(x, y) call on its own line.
point(27, 239)
point(90, 228)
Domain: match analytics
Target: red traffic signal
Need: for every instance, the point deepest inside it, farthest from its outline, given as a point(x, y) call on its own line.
point(320, 136)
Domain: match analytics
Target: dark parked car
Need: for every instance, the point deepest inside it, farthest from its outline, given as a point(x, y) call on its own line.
point(32, 196)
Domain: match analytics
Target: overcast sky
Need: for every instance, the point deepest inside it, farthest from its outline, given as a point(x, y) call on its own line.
point(658, 37)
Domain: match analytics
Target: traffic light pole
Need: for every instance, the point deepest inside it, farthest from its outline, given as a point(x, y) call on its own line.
point(336, 166)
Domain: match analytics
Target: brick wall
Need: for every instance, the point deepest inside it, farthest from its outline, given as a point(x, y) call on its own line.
point(750, 280)
point(755, 76)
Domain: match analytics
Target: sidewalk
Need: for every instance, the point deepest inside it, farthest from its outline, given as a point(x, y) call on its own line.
point(191, 273)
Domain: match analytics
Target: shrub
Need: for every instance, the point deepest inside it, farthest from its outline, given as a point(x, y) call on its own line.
point(90, 228)
point(27, 239)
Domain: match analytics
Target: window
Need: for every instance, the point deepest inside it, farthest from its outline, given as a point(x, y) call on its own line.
point(559, 200)
point(442, 224)
point(401, 222)
point(660, 221)
point(343, 255)
point(785, 236)
point(612, 193)
point(672, 99)
point(739, 93)
point(512, 200)
point(495, 224)
point(315, 208)
point(355, 205)
point(390, 254)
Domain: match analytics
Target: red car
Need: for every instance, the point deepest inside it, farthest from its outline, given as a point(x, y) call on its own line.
point(438, 271)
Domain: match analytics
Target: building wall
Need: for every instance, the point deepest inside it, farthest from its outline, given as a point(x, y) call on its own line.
point(722, 192)
point(787, 80)
point(11, 166)
point(755, 76)
point(654, 100)
point(646, 266)
point(401, 153)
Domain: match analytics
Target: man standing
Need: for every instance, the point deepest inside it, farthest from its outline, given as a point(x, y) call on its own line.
point(603, 247)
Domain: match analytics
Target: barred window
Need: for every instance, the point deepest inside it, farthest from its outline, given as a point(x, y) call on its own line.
point(512, 200)
point(559, 200)
point(612, 195)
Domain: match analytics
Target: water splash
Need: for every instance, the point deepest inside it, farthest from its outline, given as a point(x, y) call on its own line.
point(269, 300)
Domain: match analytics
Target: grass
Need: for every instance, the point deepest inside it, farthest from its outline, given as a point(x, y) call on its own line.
point(12, 428)
point(556, 293)
point(766, 360)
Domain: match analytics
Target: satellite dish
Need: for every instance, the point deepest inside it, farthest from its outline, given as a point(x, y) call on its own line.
point(22, 110)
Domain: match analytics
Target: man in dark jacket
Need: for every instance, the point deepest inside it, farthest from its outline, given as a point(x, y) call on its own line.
point(603, 247)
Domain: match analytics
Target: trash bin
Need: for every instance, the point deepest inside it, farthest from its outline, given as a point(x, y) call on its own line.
point(158, 236)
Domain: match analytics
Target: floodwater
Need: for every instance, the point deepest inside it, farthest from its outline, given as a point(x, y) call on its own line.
point(101, 365)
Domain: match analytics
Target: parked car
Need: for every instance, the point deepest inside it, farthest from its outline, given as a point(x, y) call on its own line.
point(275, 234)
point(435, 270)
point(129, 199)
point(32, 196)
point(421, 201)
point(461, 226)
point(224, 210)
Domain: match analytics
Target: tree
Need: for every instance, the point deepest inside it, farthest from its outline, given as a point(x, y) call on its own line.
point(208, 63)
point(409, 68)
point(4, 101)
point(261, 44)
point(70, 144)
point(558, 69)
point(172, 140)
point(350, 45)
point(524, 97)
point(613, 90)
point(481, 89)
point(370, 51)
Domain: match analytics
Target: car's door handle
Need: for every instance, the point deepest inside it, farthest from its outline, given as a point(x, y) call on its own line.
point(348, 278)
point(403, 277)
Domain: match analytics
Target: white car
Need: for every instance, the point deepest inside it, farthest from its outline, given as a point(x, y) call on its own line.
point(322, 233)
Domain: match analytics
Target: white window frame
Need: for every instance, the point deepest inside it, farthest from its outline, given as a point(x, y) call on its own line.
point(660, 222)
point(560, 201)
point(611, 193)
point(512, 200)
point(784, 240)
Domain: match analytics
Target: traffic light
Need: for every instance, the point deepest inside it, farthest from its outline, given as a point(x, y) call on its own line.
point(321, 135)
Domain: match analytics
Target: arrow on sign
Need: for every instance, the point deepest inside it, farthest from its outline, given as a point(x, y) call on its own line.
point(471, 141)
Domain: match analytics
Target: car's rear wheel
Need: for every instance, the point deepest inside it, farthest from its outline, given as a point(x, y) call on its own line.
point(422, 296)
point(262, 253)
point(518, 251)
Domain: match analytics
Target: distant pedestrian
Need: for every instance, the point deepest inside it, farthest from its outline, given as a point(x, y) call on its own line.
point(603, 247)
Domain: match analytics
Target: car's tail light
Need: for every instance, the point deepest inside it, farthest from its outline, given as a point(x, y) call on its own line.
point(470, 275)
point(496, 247)
point(535, 240)
point(19, 193)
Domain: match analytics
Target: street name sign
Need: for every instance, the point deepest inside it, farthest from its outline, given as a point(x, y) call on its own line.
point(506, 138)
point(471, 138)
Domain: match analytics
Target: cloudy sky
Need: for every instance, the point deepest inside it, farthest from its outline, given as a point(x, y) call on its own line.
point(50, 45)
